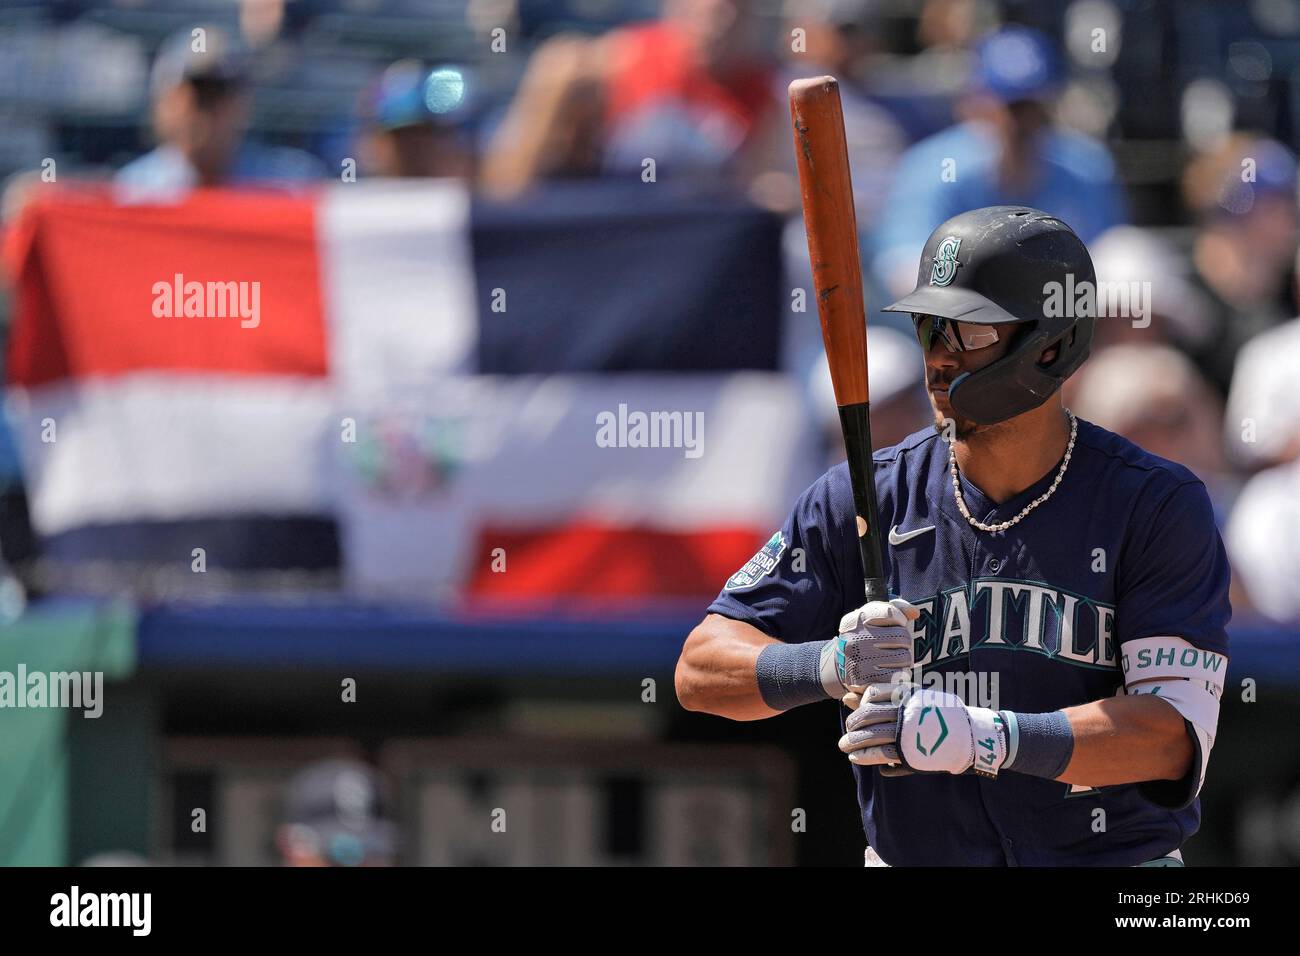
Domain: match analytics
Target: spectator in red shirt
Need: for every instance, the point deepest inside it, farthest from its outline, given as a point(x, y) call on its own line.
point(690, 91)
point(693, 91)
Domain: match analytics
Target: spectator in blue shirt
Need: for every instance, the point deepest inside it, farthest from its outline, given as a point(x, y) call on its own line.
point(201, 109)
point(1006, 151)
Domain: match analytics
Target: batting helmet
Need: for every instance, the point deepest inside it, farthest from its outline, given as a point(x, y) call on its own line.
point(1009, 265)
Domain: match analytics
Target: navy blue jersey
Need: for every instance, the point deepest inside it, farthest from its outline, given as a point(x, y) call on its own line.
point(1126, 548)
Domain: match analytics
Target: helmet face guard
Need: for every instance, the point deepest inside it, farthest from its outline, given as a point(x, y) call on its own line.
point(1018, 382)
point(1005, 265)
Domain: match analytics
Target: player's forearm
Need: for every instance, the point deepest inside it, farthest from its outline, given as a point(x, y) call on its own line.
point(716, 673)
point(1126, 740)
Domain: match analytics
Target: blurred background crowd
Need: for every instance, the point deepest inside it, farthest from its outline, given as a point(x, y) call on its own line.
point(1164, 132)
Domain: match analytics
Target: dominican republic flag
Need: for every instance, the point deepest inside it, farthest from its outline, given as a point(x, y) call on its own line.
point(573, 397)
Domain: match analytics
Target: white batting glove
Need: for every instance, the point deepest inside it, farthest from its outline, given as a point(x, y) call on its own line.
point(874, 644)
point(925, 731)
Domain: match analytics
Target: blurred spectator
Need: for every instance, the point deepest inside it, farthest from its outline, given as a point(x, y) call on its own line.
point(838, 37)
point(337, 814)
point(1156, 280)
point(1263, 420)
point(899, 405)
point(1154, 396)
point(951, 24)
point(416, 122)
point(1263, 541)
point(262, 22)
point(1245, 249)
point(552, 127)
point(1007, 151)
point(201, 111)
point(928, 63)
point(693, 91)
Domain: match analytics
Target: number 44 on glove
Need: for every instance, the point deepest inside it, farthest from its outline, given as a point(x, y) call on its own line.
point(910, 729)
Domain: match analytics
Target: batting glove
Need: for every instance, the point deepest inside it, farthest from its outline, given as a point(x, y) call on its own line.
point(874, 645)
point(924, 731)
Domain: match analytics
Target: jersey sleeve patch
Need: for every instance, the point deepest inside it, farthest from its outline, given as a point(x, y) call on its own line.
point(759, 566)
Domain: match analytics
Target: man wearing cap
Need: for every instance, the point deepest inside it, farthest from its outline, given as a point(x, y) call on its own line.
point(1044, 688)
point(201, 109)
point(419, 122)
point(1243, 254)
point(1007, 150)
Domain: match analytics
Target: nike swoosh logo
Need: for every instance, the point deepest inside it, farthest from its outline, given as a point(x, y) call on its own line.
point(896, 538)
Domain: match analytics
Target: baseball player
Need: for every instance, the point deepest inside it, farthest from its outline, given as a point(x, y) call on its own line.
point(1045, 688)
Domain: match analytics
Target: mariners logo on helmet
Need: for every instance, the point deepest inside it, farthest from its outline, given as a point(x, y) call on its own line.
point(944, 269)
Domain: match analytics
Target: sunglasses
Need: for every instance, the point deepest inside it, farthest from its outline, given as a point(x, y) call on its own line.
point(956, 336)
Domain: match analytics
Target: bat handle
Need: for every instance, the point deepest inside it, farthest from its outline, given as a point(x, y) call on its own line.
point(877, 590)
point(855, 425)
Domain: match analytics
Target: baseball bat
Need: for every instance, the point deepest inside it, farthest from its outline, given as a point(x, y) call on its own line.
point(832, 227)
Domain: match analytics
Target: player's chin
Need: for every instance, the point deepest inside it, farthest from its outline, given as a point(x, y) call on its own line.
point(950, 425)
point(966, 428)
